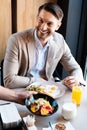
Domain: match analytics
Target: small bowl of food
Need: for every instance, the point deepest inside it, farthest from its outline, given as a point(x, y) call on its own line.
point(42, 105)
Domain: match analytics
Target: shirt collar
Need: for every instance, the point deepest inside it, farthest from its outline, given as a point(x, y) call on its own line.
point(38, 43)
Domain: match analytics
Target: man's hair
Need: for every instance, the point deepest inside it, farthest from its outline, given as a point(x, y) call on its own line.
point(52, 8)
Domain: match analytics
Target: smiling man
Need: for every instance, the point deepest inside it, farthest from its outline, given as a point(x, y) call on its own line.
point(47, 24)
point(35, 53)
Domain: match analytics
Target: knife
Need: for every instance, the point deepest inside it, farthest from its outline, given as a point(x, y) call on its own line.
point(4, 103)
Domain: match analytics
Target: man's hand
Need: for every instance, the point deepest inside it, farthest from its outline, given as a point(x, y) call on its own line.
point(70, 81)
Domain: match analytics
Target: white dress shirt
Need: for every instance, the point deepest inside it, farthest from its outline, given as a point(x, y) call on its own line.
point(38, 69)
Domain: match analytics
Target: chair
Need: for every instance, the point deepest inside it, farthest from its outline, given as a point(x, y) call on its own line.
point(56, 76)
point(2, 83)
point(58, 73)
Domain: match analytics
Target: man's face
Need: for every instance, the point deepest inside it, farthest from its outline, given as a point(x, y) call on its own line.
point(47, 24)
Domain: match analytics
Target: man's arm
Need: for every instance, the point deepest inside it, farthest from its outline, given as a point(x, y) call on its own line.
point(12, 63)
point(72, 68)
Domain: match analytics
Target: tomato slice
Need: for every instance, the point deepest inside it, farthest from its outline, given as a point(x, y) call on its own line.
point(49, 108)
point(45, 110)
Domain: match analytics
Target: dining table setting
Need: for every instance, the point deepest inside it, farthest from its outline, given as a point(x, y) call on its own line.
point(58, 109)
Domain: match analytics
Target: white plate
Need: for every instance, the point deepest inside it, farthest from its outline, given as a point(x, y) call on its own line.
point(67, 124)
point(50, 89)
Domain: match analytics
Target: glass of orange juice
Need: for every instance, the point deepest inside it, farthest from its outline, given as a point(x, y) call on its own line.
point(76, 95)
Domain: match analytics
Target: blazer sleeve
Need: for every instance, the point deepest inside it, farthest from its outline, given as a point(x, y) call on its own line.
point(70, 65)
point(12, 64)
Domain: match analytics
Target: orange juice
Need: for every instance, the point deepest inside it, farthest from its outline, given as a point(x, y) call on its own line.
point(76, 95)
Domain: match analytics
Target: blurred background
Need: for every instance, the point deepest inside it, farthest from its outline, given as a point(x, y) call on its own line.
point(18, 15)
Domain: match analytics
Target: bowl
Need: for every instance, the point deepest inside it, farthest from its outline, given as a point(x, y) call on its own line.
point(48, 98)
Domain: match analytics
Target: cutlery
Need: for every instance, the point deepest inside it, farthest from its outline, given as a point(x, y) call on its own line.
point(51, 126)
point(4, 103)
point(81, 84)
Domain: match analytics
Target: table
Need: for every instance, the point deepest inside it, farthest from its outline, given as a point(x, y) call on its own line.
point(79, 122)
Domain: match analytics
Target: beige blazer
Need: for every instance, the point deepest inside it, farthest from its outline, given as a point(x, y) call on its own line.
point(20, 53)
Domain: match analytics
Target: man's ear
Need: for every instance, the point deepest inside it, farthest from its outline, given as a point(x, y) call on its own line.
point(59, 25)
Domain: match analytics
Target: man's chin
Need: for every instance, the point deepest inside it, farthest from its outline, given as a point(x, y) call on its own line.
point(43, 37)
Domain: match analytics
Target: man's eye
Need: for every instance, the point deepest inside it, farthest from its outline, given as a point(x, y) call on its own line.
point(50, 24)
point(40, 20)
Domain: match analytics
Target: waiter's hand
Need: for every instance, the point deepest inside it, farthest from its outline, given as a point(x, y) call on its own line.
point(21, 96)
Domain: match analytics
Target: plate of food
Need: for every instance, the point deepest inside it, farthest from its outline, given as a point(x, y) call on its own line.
point(49, 89)
point(41, 105)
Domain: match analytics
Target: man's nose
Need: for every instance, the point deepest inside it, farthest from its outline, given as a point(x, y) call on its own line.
point(44, 26)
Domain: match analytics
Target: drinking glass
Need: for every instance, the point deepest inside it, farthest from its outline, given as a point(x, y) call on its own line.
point(77, 94)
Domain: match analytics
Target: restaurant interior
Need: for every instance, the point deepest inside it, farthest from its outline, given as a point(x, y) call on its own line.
point(17, 15)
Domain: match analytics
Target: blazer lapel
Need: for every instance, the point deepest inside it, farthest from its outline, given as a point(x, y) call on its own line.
point(31, 52)
point(50, 57)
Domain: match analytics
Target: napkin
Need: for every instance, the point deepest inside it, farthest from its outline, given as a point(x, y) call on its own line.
point(9, 115)
point(67, 124)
